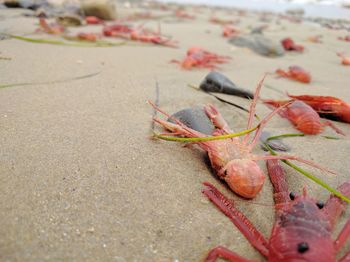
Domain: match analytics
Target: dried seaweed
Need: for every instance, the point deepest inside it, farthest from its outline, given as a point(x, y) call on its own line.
point(77, 43)
point(49, 82)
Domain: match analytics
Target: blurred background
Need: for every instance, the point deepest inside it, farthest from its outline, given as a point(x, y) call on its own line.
point(323, 8)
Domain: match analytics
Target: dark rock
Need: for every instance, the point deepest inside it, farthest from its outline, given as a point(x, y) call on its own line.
point(218, 83)
point(196, 119)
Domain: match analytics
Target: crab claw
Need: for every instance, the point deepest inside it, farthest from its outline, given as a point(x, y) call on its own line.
point(215, 117)
point(244, 177)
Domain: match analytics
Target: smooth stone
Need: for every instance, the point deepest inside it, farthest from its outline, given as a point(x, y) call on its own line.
point(259, 44)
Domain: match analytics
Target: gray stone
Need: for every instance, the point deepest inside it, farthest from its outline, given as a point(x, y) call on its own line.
point(195, 118)
point(218, 83)
point(259, 44)
point(104, 9)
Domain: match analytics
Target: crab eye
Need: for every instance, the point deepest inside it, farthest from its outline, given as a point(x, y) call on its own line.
point(291, 195)
point(320, 204)
point(303, 247)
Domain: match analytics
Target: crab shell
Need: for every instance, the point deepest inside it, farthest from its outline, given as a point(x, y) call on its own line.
point(244, 177)
point(301, 221)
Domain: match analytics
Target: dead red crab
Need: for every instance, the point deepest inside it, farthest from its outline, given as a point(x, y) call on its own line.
point(302, 116)
point(229, 31)
point(138, 34)
point(232, 159)
point(344, 38)
point(302, 230)
point(199, 57)
point(295, 73)
point(155, 38)
point(91, 37)
point(289, 45)
point(117, 30)
point(182, 14)
point(345, 59)
point(93, 20)
point(54, 28)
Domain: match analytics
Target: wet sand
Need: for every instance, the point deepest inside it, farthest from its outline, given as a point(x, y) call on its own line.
point(81, 179)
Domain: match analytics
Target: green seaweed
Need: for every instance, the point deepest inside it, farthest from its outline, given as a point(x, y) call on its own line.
point(331, 137)
point(78, 43)
point(284, 135)
point(49, 82)
point(313, 178)
point(203, 139)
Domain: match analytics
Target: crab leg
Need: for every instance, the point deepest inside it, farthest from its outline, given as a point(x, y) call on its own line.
point(343, 236)
point(219, 122)
point(225, 253)
point(334, 206)
point(331, 125)
point(278, 180)
point(216, 118)
point(285, 157)
point(226, 206)
point(333, 209)
point(263, 123)
point(252, 107)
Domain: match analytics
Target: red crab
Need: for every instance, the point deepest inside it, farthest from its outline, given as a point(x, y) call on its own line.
point(53, 28)
point(295, 73)
point(327, 106)
point(93, 20)
point(289, 45)
point(182, 14)
point(345, 59)
point(229, 31)
point(232, 159)
point(302, 116)
point(345, 38)
point(199, 57)
point(302, 230)
point(138, 34)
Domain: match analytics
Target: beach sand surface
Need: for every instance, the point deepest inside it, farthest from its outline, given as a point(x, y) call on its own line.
point(81, 179)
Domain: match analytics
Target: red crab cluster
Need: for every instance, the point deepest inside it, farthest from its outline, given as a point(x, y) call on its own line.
point(201, 58)
point(118, 29)
point(137, 34)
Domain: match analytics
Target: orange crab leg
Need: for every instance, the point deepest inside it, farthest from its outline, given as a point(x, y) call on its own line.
point(239, 220)
point(253, 106)
point(334, 205)
point(263, 123)
point(343, 236)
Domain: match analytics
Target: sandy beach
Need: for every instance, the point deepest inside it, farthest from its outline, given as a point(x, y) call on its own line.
point(81, 178)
